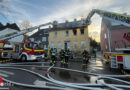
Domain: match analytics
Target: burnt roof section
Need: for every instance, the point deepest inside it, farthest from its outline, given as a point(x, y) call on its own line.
point(119, 27)
point(41, 32)
point(68, 25)
point(11, 26)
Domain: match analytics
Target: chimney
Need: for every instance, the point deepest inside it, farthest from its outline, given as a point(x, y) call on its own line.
point(7, 24)
point(49, 26)
point(55, 24)
point(75, 20)
point(38, 28)
point(66, 21)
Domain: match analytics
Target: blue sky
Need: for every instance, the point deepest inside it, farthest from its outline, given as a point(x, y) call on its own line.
point(42, 11)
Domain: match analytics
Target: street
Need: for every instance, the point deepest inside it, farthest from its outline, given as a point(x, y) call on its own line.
point(34, 75)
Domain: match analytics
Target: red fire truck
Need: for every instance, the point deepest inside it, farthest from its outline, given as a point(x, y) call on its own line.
point(24, 51)
point(121, 58)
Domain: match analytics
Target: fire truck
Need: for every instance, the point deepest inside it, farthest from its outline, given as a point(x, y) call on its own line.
point(25, 51)
point(120, 58)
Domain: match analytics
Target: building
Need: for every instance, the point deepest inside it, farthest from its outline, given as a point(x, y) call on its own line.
point(69, 35)
point(8, 25)
point(41, 36)
point(112, 35)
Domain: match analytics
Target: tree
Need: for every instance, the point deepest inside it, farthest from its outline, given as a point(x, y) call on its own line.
point(25, 24)
point(94, 44)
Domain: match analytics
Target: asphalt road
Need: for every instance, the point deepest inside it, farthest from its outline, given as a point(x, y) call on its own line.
point(24, 77)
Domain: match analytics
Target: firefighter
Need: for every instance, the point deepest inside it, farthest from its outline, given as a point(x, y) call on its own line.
point(67, 54)
point(51, 56)
point(85, 57)
point(62, 56)
point(94, 52)
point(53, 53)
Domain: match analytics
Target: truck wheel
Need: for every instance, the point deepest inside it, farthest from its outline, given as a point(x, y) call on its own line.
point(23, 58)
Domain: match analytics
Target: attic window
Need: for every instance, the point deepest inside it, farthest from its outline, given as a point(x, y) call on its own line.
point(74, 31)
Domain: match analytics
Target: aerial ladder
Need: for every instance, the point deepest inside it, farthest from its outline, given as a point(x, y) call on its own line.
point(112, 15)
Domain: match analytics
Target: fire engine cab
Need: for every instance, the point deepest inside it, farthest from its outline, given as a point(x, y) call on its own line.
point(28, 51)
point(23, 51)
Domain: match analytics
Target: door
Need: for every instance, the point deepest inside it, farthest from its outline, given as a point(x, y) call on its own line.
point(67, 45)
point(16, 52)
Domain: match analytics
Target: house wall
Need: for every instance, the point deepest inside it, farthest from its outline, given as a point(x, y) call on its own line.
point(116, 37)
point(104, 37)
point(75, 40)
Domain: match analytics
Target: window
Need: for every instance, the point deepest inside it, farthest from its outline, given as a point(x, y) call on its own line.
point(105, 35)
point(45, 46)
point(52, 45)
point(38, 40)
point(67, 44)
point(31, 39)
point(75, 31)
point(75, 45)
point(45, 32)
point(67, 33)
point(44, 39)
point(83, 44)
point(55, 34)
point(59, 45)
point(29, 45)
point(82, 31)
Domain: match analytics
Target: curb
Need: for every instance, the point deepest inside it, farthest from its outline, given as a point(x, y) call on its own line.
point(124, 72)
point(6, 60)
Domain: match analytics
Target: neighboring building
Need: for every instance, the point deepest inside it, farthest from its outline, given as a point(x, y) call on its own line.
point(1, 25)
point(112, 35)
point(40, 36)
point(69, 35)
point(11, 26)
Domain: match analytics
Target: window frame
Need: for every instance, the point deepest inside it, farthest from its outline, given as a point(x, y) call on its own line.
point(66, 33)
point(82, 31)
point(74, 31)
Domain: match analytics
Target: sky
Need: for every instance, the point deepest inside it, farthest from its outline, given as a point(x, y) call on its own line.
point(43, 11)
